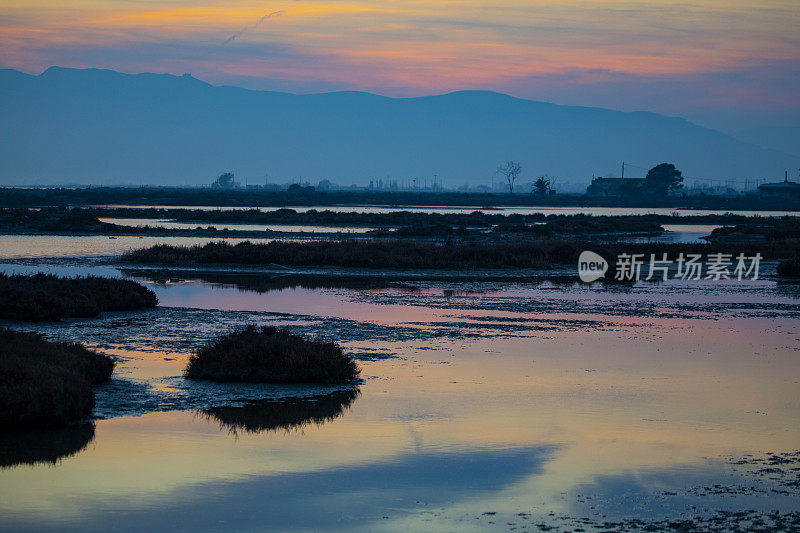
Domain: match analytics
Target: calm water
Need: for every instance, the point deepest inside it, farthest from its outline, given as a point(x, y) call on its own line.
point(483, 406)
point(169, 224)
point(42, 246)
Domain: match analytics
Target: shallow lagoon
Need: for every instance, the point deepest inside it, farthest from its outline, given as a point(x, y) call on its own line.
point(47, 246)
point(484, 405)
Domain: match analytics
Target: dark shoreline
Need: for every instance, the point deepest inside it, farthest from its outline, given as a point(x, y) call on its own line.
point(307, 196)
point(475, 225)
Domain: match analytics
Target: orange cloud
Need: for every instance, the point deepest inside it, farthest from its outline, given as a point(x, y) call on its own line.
point(442, 44)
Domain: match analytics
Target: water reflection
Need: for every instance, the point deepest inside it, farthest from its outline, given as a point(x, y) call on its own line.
point(367, 496)
point(286, 228)
point(263, 282)
point(286, 413)
point(501, 407)
point(43, 446)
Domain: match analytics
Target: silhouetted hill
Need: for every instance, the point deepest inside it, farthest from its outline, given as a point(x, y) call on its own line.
point(101, 126)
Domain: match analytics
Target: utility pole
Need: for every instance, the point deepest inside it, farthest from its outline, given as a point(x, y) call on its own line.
point(623, 170)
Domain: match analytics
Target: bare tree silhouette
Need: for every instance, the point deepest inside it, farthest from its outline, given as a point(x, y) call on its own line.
point(510, 170)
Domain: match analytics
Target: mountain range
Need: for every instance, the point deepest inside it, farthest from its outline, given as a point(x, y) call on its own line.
point(94, 126)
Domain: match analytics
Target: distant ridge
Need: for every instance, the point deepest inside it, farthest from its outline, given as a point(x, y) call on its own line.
point(100, 126)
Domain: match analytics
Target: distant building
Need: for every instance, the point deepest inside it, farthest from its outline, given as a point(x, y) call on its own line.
point(612, 186)
point(226, 181)
point(782, 189)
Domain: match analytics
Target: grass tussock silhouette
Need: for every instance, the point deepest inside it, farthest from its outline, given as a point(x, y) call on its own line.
point(270, 355)
point(44, 297)
point(43, 445)
point(45, 383)
point(775, 229)
point(284, 414)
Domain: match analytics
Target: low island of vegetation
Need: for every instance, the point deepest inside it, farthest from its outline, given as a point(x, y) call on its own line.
point(271, 355)
point(448, 255)
point(774, 229)
point(484, 224)
point(45, 297)
point(44, 383)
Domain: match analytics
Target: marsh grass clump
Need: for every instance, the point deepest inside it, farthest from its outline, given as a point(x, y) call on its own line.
point(44, 297)
point(789, 268)
point(47, 383)
point(271, 355)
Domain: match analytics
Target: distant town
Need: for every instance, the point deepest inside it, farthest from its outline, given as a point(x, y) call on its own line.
point(662, 187)
point(600, 187)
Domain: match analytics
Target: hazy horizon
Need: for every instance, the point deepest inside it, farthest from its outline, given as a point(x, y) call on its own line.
point(100, 126)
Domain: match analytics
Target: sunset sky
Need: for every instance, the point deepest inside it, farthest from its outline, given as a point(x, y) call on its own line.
point(691, 58)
